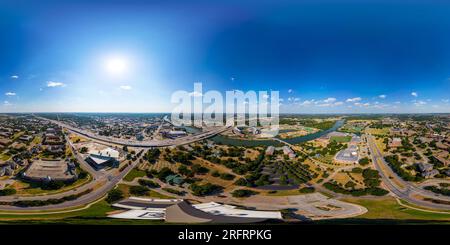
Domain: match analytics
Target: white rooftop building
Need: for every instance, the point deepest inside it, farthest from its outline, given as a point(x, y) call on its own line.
point(103, 156)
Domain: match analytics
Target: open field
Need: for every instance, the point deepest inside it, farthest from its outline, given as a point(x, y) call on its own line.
point(377, 131)
point(126, 191)
point(134, 173)
point(4, 157)
point(27, 189)
point(340, 139)
point(388, 208)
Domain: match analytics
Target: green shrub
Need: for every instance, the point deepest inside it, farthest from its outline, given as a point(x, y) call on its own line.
point(148, 183)
point(206, 189)
point(139, 190)
point(243, 193)
point(7, 192)
point(306, 190)
point(114, 196)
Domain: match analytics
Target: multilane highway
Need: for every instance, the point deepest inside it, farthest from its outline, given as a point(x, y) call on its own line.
point(144, 144)
point(102, 181)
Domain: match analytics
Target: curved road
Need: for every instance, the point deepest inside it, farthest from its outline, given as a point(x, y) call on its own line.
point(406, 193)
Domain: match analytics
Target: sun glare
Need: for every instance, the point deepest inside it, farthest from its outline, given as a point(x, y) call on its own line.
point(116, 65)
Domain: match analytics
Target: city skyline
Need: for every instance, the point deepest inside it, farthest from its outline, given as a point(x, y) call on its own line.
point(323, 58)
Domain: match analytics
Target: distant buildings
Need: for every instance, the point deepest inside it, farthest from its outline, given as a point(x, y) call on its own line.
point(172, 134)
point(4, 142)
point(427, 170)
point(26, 138)
point(395, 142)
point(270, 150)
point(288, 151)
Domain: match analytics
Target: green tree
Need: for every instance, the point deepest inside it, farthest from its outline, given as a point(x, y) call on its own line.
point(114, 195)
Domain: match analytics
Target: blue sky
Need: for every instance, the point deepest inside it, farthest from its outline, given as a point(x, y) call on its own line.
point(323, 56)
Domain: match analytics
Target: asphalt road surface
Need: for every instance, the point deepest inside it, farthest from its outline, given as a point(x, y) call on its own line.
point(407, 190)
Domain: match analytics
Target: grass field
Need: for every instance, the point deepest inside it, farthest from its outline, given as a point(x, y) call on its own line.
point(24, 188)
point(284, 193)
point(4, 157)
point(340, 139)
point(388, 209)
point(134, 173)
point(37, 140)
point(377, 131)
point(126, 191)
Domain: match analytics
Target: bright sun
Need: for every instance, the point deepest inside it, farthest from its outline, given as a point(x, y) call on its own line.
point(116, 65)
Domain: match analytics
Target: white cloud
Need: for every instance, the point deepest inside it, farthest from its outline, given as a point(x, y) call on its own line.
point(307, 102)
point(356, 99)
point(290, 91)
point(14, 76)
point(415, 94)
point(6, 103)
point(10, 94)
point(325, 105)
point(382, 96)
point(445, 100)
point(361, 104)
point(195, 94)
point(125, 87)
point(420, 103)
point(397, 102)
point(329, 100)
point(52, 84)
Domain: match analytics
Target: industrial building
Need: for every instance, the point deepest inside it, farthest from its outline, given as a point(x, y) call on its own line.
point(349, 155)
point(99, 158)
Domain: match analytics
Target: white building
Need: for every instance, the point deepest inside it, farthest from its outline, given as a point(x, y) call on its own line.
point(270, 150)
point(288, 151)
point(100, 157)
